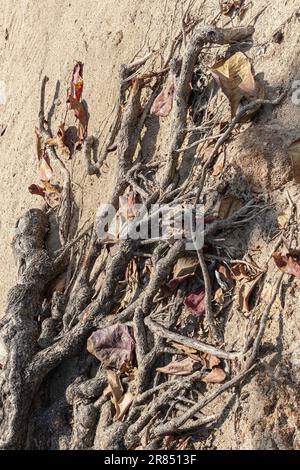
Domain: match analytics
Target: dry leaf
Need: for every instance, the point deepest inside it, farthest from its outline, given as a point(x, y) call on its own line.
point(59, 142)
point(113, 346)
point(132, 283)
point(184, 268)
point(163, 104)
point(294, 154)
point(44, 167)
point(80, 114)
point(219, 296)
point(235, 78)
point(191, 352)
point(246, 291)
point(288, 263)
point(283, 219)
point(195, 302)
point(124, 405)
point(184, 367)
point(77, 81)
point(216, 376)
point(209, 360)
point(229, 205)
point(229, 6)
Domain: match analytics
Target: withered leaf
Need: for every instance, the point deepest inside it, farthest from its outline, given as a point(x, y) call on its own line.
point(294, 153)
point(246, 291)
point(114, 346)
point(184, 367)
point(80, 114)
point(216, 376)
point(234, 76)
point(59, 142)
point(288, 263)
point(77, 81)
point(184, 268)
point(124, 405)
point(195, 302)
point(44, 167)
point(163, 104)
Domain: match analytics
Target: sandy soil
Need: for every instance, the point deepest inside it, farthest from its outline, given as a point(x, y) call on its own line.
point(47, 37)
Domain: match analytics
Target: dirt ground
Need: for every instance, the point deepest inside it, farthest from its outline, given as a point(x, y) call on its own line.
point(46, 38)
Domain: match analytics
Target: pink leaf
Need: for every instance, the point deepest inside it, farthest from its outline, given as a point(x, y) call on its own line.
point(196, 302)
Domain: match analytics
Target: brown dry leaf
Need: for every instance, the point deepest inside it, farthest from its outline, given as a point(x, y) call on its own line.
point(59, 142)
point(184, 367)
point(246, 291)
point(209, 360)
point(52, 195)
point(294, 154)
point(226, 276)
point(219, 296)
point(80, 114)
point(216, 376)
point(114, 346)
point(124, 405)
point(44, 167)
point(229, 205)
point(121, 402)
point(288, 263)
point(283, 219)
point(163, 104)
point(228, 6)
point(239, 272)
point(191, 352)
point(235, 78)
point(184, 268)
point(77, 81)
point(37, 190)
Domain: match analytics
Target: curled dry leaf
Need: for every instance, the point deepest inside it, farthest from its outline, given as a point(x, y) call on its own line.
point(294, 153)
point(248, 276)
point(288, 263)
point(184, 268)
point(228, 206)
point(114, 346)
point(44, 167)
point(216, 376)
point(77, 81)
point(59, 142)
point(163, 104)
point(48, 192)
point(184, 367)
point(80, 114)
point(235, 78)
point(195, 302)
point(219, 296)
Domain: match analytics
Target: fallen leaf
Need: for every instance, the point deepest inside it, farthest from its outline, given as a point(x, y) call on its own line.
point(210, 361)
point(59, 142)
point(216, 376)
point(283, 219)
point(229, 6)
point(37, 190)
point(51, 195)
point(44, 167)
point(124, 405)
point(246, 291)
point(229, 205)
point(235, 78)
point(219, 296)
point(184, 268)
point(294, 154)
point(288, 263)
point(114, 346)
point(195, 302)
point(77, 81)
point(163, 103)
point(184, 367)
point(226, 276)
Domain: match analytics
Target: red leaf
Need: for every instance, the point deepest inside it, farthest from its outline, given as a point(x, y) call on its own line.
point(288, 263)
point(163, 104)
point(77, 81)
point(196, 302)
point(37, 190)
